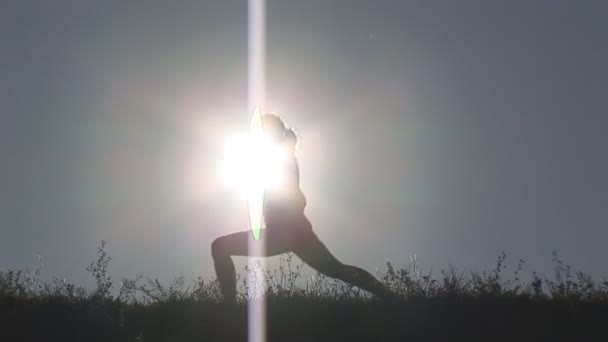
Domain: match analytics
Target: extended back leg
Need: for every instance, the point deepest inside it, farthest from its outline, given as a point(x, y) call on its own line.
point(316, 254)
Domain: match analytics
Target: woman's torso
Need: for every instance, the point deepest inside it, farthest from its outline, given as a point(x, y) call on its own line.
point(286, 202)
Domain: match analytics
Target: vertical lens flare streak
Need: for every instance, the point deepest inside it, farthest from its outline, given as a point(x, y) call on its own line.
point(256, 309)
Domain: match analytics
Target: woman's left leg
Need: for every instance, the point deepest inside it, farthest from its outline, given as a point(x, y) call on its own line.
point(236, 244)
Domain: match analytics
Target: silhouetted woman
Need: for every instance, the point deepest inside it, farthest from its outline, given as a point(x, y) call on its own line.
point(287, 229)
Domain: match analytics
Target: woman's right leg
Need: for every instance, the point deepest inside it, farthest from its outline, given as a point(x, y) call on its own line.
point(313, 252)
point(236, 244)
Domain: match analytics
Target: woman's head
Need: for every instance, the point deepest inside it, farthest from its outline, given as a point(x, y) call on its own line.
point(275, 128)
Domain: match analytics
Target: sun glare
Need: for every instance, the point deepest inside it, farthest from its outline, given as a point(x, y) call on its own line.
point(252, 163)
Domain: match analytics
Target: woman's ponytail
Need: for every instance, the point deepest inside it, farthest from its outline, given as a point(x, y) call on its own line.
point(290, 138)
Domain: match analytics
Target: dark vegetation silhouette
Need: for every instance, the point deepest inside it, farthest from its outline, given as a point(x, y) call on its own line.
point(450, 305)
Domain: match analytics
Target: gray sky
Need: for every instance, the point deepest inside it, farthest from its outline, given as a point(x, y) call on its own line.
point(448, 129)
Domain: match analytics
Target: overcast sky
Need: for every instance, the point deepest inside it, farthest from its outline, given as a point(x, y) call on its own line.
point(449, 129)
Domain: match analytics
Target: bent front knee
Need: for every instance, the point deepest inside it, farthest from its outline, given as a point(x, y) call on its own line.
point(217, 248)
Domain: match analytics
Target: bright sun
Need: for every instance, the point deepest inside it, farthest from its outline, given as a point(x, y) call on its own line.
point(252, 164)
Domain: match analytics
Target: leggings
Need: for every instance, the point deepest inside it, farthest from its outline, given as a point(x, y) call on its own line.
point(295, 236)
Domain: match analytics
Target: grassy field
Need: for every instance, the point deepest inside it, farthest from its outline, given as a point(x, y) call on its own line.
point(448, 306)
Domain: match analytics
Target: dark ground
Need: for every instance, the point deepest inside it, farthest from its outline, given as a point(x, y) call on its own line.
point(449, 319)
